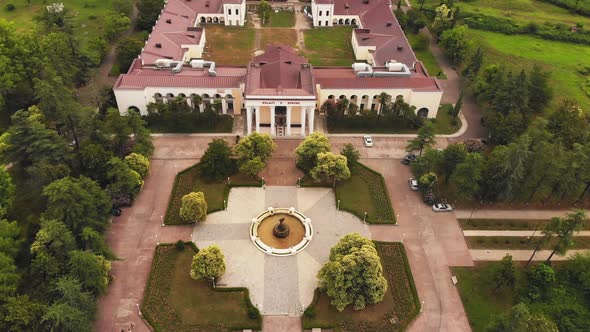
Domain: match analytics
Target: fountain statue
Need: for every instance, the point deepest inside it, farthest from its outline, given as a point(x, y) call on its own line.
point(281, 230)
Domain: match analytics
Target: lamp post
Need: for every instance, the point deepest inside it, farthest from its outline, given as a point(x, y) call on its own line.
point(338, 205)
point(228, 182)
point(263, 184)
point(162, 218)
point(224, 205)
point(298, 182)
point(365, 218)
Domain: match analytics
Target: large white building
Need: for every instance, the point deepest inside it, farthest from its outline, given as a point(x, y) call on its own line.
point(279, 90)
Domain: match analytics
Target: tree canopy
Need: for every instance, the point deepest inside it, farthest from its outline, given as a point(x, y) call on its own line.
point(330, 166)
point(216, 163)
point(353, 274)
point(308, 150)
point(194, 207)
point(208, 263)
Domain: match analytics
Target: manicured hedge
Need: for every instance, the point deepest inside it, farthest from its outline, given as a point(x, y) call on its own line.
point(583, 9)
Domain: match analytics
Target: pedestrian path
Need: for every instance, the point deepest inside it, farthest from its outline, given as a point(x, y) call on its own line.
point(518, 255)
point(515, 233)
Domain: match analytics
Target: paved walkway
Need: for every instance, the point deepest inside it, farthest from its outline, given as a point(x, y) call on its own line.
point(510, 214)
point(518, 255)
point(262, 274)
point(515, 233)
point(433, 242)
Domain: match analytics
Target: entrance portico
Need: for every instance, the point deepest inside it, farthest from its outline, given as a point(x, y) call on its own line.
point(280, 117)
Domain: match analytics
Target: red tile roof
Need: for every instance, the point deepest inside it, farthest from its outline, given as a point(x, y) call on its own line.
point(280, 71)
point(345, 78)
point(380, 29)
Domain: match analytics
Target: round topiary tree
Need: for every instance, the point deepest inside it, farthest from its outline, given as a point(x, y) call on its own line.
point(330, 167)
point(308, 150)
point(208, 263)
point(138, 163)
point(353, 274)
point(193, 207)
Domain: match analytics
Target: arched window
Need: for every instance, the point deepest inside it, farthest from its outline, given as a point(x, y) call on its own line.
point(347, 22)
point(331, 97)
point(353, 21)
point(203, 19)
point(209, 20)
point(335, 22)
point(133, 109)
point(342, 97)
point(158, 97)
point(423, 112)
point(341, 21)
point(215, 20)
point(229, 96)
point(399, 97)
point(353, 99)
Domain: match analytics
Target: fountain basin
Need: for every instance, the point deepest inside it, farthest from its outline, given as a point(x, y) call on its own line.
point(300, 232)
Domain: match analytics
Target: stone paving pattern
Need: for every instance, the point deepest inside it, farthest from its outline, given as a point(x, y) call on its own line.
point(278, 285)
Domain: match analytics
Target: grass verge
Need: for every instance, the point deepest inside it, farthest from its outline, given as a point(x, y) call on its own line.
point(215, 192)
point(520, 242)
point(482, 304)
point(282, 19)
point(420, 47)
point(505, 224)
point(399, 306)
point(364, 191)
point(173, 301)
point(229, 45)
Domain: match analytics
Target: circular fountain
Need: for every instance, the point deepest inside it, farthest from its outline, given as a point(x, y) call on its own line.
point(281, 231)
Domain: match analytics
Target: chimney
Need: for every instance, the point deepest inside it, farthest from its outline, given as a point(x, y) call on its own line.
point(169, 20)
point(158, 45)
point(388, 24)
point(400, 47)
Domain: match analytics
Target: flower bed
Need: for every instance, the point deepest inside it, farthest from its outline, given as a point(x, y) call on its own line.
point(175, 302)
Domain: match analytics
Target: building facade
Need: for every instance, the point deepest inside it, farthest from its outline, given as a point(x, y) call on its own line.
point(279, 92)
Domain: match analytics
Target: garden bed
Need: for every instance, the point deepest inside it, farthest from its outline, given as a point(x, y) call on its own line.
point(398, 308)
point(520, 242)
point(216, 192)
point(173, 301)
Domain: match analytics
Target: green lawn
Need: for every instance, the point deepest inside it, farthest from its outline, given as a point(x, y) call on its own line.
point(398, 308)
point(520, 243)
point(365, 191)
point(282, 19)
point(173, 301)
point(229, 45)
point(189, 180)
point(87, 15)
point(423, 54)
point(482, 304)
point(560, 59)
point(329, 46)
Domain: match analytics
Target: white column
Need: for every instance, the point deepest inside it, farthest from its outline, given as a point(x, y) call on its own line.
point(249, 120)
point(202, 107)
point(311, 118)
point(303, 111)
point(223, 106)
point(258, 119)
point(272, 121)
point(289, 121)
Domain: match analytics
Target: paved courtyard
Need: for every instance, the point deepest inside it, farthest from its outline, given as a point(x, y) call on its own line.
point(278, 285)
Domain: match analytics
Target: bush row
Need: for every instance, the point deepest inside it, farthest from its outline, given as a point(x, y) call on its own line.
point(557, 32)
point(582, 9)
point(190, 122)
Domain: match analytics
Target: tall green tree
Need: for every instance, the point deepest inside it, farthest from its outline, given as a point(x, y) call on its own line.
point(569, 225)
point(124, 182)
point(149, 10)
point(92, 270)
point(425, 138)
point(216, 163)
point(78, 202)
point(330, 166)
point(127, 50)
point(505, 273)
point(540, 92)
point(7, 192)
point(264, 10)
point(453, 155)
point(455, 44)
point(474, 66)
point(208, 263)
point(255, 145)
point(351, 153)
point(520, 319)
point(308, 150)
point(467, 176)
point(353, 273)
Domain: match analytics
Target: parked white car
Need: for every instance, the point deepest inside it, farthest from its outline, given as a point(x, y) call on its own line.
point(413, 184)
point(442, 207)
point(368, 140)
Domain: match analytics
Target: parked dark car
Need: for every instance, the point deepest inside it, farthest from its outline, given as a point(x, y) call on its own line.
point(409, 158)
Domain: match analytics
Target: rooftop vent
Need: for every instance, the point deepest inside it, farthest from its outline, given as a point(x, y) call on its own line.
point(400, 47)
point(346, 6)
point(365, 1)
point(206, 3)
point(388, 24)
point(158, 45)
point(169, 20)
point(184, 16)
